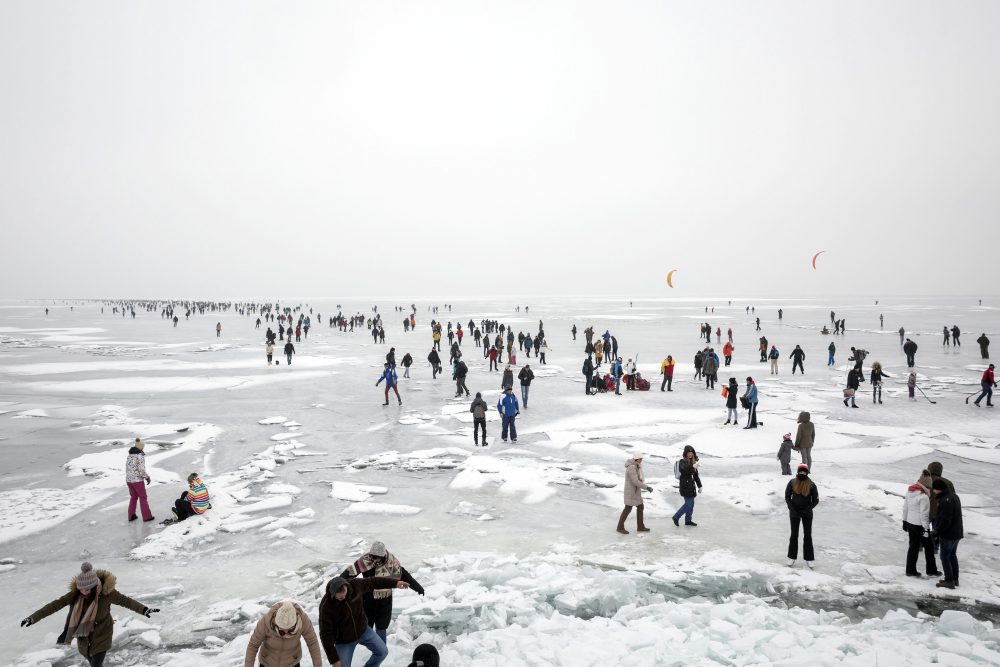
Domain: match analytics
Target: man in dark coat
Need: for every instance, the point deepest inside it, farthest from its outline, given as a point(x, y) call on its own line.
point(984, 346)
point(910, 349)
point(588, 373)
point(949, 530)
point(343, 623)
point(797, 358)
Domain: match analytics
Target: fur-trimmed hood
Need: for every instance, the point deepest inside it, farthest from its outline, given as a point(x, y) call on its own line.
point(108, 581)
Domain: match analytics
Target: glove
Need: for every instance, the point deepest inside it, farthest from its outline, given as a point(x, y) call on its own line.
point(26, 621)
point(147, 612)
point(649, 489)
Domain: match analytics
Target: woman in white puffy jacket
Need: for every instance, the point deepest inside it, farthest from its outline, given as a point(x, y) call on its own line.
point(916, 522)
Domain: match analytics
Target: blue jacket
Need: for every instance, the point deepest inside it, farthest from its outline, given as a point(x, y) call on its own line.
point(507, 405)
point(752, 394)
point(389, 376)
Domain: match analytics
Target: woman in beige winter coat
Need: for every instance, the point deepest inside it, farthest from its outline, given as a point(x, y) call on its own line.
point(635, 484)
point(278, 636)
point(805, 437)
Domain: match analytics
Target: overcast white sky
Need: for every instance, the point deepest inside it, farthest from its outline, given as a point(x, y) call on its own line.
point(531, 147)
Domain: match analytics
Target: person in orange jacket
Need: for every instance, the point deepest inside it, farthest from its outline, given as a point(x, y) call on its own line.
point(727, 352)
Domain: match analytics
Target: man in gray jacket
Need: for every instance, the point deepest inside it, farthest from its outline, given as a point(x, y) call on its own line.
point(805, 437)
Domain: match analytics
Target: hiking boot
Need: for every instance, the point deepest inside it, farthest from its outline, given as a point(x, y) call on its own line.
point(621, 520)
point(640, 526)
point(690, 523)
point(945, 584)
point(677, 522)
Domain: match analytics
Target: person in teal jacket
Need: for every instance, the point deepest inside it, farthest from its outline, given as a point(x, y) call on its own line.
point(750, 397)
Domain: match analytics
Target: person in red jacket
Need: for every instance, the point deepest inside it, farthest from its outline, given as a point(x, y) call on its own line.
point(988, 382)
point(727, 352)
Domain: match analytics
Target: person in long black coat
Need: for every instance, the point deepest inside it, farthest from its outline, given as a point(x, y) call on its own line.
point(801, 496)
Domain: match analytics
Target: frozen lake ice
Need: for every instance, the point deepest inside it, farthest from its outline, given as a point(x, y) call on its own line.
point(514, 544)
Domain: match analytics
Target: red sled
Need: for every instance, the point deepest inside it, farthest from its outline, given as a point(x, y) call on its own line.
point(641, 383)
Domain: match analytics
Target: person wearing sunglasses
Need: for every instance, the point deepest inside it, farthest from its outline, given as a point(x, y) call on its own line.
point(278, 638)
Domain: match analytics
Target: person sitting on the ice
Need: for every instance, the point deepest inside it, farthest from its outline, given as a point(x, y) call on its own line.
point(194, 501)
point(825, 331)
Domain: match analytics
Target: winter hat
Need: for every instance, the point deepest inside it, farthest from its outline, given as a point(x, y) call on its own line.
point(425, 655)
point(335, 585)
point(87, 578)
point(940, 485)
point(925, 480)
point(787, 436)
point(378, 549)
point(139, 444)
point(636, 455)
point(803, 469)
point(286, 617)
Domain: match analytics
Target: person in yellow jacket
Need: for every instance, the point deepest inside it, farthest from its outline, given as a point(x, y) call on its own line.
point(598, 351)
point(667, 371)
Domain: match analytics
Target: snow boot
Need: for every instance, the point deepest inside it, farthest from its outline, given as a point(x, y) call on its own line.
point(621, 520)
point(811, 564)
point(640, 526)
point(791, 562)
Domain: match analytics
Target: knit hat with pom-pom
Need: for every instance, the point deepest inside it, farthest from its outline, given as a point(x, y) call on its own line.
point(87, 578)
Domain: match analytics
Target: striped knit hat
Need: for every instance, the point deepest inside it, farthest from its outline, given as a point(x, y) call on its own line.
point(87, 578)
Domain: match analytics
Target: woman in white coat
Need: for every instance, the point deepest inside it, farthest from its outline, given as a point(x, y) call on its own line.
point(916, 522)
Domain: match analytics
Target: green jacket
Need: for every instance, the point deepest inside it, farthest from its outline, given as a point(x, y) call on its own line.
point(99, 640)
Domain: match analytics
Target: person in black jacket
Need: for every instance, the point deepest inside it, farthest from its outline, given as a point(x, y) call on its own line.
point(984, 346)
point(407, 362)
point(689, 478)
point(949, 530)
point(478, 410)
point(853, 382)
point(801, 497)
point(797, 357)
point(435, 360)
point(910, 349)
point(377, 603)
point(461, 370)
point(343, 623)
point(588, 373)
point(525, 376)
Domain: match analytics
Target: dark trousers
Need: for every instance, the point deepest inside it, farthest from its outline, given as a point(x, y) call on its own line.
point(630, 382)
point(729, 359)
point(752, 416)
point(949, 559)
point(985, 351)
point(910, 360)
point(477, 423)
point(917, 541)
point(590, 381)
point(183, 509)
point(493, 365)
point(393, 387)
point(508, 425)
point(807, 539)
point(667, 381)
point(987, 394)
point(97, 660)
point(460, 383)
point(797, 364)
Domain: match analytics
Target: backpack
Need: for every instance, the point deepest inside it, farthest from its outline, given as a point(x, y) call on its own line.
point(479, 412)
point(677, 468)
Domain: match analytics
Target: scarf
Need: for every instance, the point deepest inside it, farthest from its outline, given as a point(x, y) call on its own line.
point(81, 621)
point(389, 568)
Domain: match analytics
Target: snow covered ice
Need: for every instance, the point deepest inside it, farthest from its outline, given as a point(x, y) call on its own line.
point(515, 544)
